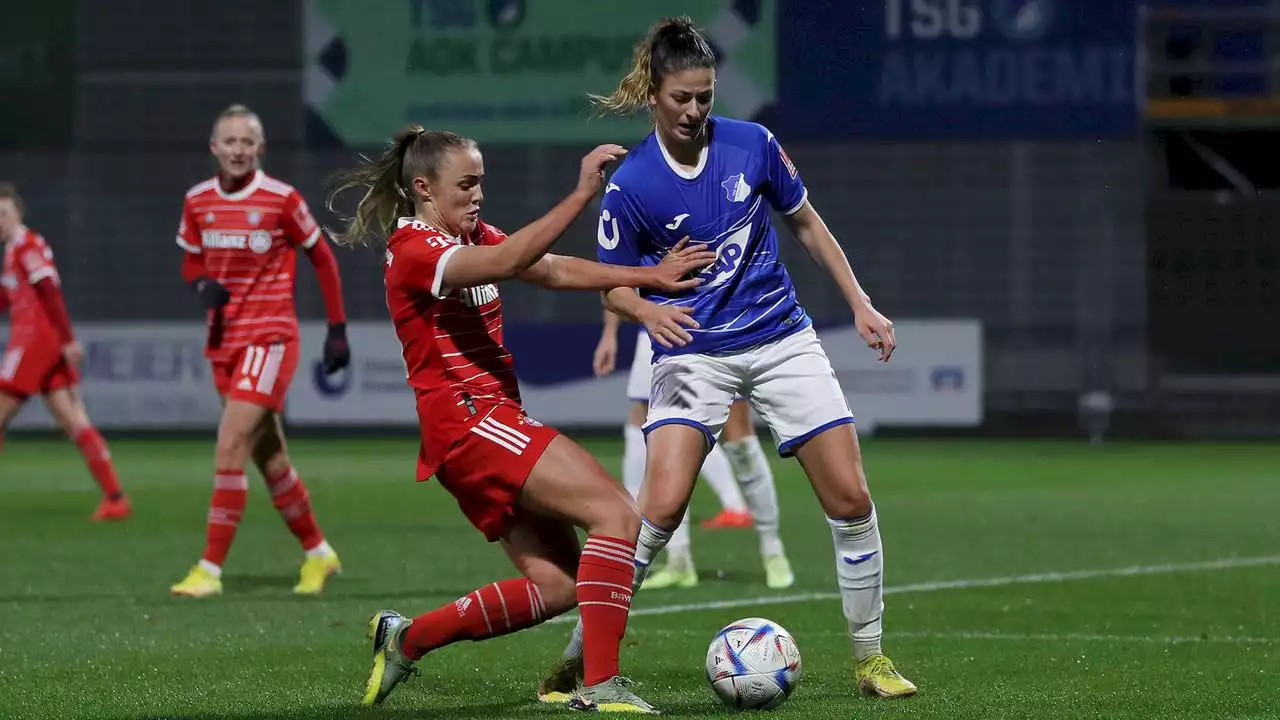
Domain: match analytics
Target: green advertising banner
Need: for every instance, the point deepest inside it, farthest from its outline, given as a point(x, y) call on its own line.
point(511, 70)
point(37, 70)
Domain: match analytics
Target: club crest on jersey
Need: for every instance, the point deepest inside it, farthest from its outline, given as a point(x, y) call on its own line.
point(478, 296)
point(736, 188)
point(255, 217)
point(208, 218)
point(259, 241)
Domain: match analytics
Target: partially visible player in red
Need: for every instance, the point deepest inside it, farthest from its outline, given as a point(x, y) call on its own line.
point(241, 232)
point(42, 354)
point(518, 481)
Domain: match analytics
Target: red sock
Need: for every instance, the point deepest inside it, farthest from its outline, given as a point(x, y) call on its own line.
point(605, 573)
point(230, 493)
point(293, 501)
point(98, 458)
point(497, 609)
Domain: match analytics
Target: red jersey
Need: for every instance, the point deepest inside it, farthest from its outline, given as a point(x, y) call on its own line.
point(27, 261)
point(249, 241)
point(452, 337)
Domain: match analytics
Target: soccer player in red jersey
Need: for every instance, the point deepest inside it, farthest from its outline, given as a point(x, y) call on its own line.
point(518, 481)
point(42, 354)
point(240, 234)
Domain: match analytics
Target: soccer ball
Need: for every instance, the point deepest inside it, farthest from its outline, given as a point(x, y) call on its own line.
point(753, 664)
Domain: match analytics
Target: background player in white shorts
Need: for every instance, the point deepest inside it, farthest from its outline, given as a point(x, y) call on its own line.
point(738, 458)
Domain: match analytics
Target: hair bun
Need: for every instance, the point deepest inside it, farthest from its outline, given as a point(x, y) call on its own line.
point(674, 27)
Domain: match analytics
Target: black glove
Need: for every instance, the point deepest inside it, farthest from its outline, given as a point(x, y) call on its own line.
point(212, 294)
point(337, 353)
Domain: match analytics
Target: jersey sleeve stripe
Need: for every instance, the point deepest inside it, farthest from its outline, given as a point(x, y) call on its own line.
point(276, 187)
point(311, 240)
point(804, 197)
point(203, 187)
point(437, 283)
point(40, 274)
point(194, 249)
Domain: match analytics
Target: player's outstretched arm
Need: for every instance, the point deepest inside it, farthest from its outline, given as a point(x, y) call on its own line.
point(561, 272)
point(479, 264)
point(821, 245)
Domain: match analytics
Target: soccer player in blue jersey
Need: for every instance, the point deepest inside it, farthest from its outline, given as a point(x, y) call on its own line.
point(716, 180)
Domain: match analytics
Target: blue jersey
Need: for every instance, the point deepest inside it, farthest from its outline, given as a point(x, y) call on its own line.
point(746, 297)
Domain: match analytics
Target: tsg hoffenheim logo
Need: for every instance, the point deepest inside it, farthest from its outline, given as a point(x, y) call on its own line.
point(1023, 20)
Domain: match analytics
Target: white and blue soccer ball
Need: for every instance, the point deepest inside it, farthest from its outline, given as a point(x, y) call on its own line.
point(753, 664)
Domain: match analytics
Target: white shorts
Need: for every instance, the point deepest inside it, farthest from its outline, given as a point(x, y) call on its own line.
point(641, 369)
point(640, 379)
point(789, 382)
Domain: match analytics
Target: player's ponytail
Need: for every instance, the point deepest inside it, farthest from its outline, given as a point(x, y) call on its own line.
point(672, 45)
point(388, 182)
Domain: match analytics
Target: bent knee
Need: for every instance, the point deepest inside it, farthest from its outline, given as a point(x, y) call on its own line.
point(628, 522)
point(849, 503)
point(233, 440)
point(616, 517)
point(233, 445)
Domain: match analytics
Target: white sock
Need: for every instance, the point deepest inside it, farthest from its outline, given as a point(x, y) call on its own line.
point(214, 570)
point(633, 459)
point(756, 477)
point(321, 550)
point(574, 648)
point(860, 575)
point(651, 541)
point(719, 474)
point(679, 553)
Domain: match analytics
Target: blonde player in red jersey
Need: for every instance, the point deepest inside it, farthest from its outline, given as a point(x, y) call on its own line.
point(240, 233)
point(518, 481)
point(42, 353)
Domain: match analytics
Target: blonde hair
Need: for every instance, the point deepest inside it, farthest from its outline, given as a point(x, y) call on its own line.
point(673, 44)
point(238, 110)
point(388, 182)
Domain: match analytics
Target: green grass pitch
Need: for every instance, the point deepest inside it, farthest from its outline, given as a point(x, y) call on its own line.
point(87, 629)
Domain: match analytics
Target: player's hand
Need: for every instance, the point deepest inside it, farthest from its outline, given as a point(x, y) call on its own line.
point(666, 324)
point(593, 165)
point(212, 294)
point(876, 330)
point(73, 353)
point(605, 359)
point(337, 353)
point(676, 272)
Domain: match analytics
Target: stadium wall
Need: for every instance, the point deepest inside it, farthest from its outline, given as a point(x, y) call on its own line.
point(1038, 238)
